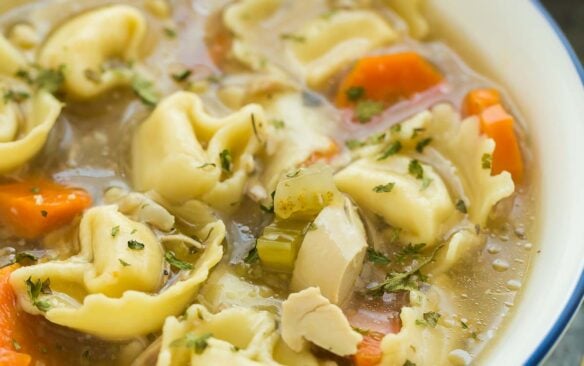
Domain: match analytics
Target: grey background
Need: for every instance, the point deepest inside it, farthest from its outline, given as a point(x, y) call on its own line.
point(570, 16)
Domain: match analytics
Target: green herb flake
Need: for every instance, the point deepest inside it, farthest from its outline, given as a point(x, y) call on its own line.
point(20, 257)
point(355, 93)
point(115, 231)
point(396, 128)
point(461, 206)
point(226, 160)
point(15, 96)
point(292, 37)
point(354, 144)
point(17, 347)
point(430, 319)
point(135, 245)
point(169, 32)
point(35, 190)
point(417, 131)
point(35, 289)
point(171, 258)
point(384, 188)
point(24, 75)
point(463, 325)
point(197, 343)
point(123, 262)
point(410, 252)
point(409, 363)
point(50, 80)
point(415, 169)
point(377, 257)
point(426, 183)
point(145, 90)
point(487, 161)
point(421, 145)
point(182, 75)
point(367, 109)
point(393, 149)
point(278, 124)
point(252, 256)
point(44, 213)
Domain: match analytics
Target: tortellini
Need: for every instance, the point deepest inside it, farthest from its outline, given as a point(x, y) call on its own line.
point(84, 45)
point(235, 336)
point(312, 50)
point(410, 11)
point(420, 208)
point(183, 153)
point(24, 125)
point(116, 278)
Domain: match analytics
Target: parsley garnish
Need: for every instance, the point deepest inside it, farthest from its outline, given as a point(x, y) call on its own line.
point(16, 96)
point(417, 131)
point(170, 33)
point(355, 93)
point(409, 363)
point(430, 319)
point(377, 257)
point(115, 231)
point(278, 124)
point(35, 289)
point(461, 206)
point(252, 256)
point(175, 262)
point(367, 109)
point(292, 37)
point(145, 90)
point(410, 251)
point(382, 188)
point(354, 144)
point(197, 342)
point(226, 160)
point(422, 144)
point(487, 161)
point(415, 169)
point(395, 128)
point(393, 149)
point(181, 76)
point(50, 79)
point(135, 245)
point(123, 262)
point(463, 325)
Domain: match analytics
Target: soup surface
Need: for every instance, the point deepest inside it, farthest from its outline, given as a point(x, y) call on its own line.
point(252, 182)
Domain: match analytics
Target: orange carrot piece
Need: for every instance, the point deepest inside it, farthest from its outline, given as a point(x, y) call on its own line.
point(37, 207)
point(478, 100)
point(10, 334)
point(498, 125)
point(369, 350)
point(387, 79)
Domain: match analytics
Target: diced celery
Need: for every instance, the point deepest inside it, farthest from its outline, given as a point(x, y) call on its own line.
point(279, 244)
point(303, 193)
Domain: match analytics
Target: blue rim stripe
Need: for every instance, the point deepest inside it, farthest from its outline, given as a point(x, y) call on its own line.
point(577, 296)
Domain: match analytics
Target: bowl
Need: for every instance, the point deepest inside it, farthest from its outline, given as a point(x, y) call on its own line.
point(518, 44)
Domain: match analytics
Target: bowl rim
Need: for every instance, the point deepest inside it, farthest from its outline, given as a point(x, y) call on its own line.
point(576, 298)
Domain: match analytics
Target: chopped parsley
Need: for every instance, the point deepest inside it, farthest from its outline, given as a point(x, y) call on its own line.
point(410, 252)
point(409, 363)
point(123, 262)
point(461, 206)
point(415, 169)
point(182, 75)
point(416, 131)
point(23, 256)
point(463, 325)
point(197, 343)
point(171, 258)
point(50, 79)
point(169, 32)
point(355, 93)
point(383, 188)
point(226, 160)
point(35, 289)
point(15, 96)
point(292, 37)
point(377, 257)
point(396, 128)
point(487, 161)
point(422, 144)
point(135, 245)
point(278, 124)
point(24, 75)
point(354, 144)
point(252, 256)
point(35, 190)
point(145, 90)
point(367, 109)
point(430, 319)
point(115, 231)
point(393, 149)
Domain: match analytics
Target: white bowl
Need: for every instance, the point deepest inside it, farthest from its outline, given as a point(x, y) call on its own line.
point(517, 43)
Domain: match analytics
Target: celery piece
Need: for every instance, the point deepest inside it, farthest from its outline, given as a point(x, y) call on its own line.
point(303, 193)
point(279, 244)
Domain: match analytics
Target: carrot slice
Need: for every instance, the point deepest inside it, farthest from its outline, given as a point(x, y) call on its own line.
point(498, 125)
point(37, 207)
point(478, 100)
point(10, 337)
point(387, 79)
point(369, 350)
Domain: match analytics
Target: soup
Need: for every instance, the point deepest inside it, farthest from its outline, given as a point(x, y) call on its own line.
point(253, 182)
